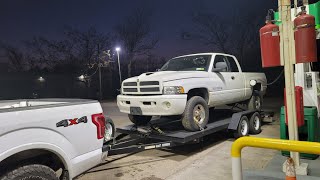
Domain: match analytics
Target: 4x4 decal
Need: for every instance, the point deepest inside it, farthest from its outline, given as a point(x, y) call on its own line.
point(70, 122)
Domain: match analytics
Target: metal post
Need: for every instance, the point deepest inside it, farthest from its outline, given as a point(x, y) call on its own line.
point(287, 49)
point(119, 68)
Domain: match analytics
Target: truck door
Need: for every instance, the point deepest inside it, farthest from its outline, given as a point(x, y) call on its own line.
point(231, 79)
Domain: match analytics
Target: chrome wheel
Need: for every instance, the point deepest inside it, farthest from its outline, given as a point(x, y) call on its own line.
point(256, 123)
point(244, 128)
point(257, 102)
point(108, 132)
point(199, 114)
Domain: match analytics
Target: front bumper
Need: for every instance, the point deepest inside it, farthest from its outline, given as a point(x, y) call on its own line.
point(156, 105)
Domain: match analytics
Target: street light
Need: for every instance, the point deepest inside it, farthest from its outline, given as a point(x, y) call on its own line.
point(118, 50)
point(41, 79)
point(81, 77)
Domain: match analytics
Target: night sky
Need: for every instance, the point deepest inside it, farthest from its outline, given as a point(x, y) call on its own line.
point(24, 19)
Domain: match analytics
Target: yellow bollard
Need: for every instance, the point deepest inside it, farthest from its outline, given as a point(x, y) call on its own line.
point(267, 143)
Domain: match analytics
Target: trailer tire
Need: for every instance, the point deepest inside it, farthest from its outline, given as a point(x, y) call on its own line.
point(255, 123)
point(243, 127)
point(139, 120)
point(255, 102)
point(31, 172)
point(109, 130)
point(196, 108)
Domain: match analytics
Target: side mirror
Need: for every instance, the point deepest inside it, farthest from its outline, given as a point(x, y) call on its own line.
point(220, 67)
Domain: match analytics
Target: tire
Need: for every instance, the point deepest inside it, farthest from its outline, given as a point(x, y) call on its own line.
point(139, 120)
point(255, 123)
point(255, 102)
point(31, 172)
point(109, 131)
point(243, 128)
point(196, 108)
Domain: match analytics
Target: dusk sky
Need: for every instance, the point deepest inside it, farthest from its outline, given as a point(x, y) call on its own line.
point(22, 20)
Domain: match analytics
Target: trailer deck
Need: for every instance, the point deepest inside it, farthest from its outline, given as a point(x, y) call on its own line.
point(177, 135)
point(164, 133)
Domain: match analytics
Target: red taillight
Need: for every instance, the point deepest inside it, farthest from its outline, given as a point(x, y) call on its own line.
point(100, 121)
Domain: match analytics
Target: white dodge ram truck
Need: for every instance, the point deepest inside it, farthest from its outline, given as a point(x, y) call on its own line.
point(50, 138)
point(188, 86)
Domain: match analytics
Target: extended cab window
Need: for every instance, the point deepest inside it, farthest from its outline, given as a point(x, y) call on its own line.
point(219, 62)
point(232, 64)
point(225, 61)
point(188, 63)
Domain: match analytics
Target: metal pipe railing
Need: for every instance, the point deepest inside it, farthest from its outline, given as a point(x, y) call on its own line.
point(267, 143)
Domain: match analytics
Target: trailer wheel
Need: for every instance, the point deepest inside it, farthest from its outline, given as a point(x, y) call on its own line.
point(243, 127)
point(196, 114)
point(109, 130)
point(31, 172)
point(255, 123)
point(139, 120)
point(255, 102)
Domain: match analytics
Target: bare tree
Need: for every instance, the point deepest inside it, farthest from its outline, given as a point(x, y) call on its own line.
point(245, 34)
point(15, 56)
point(235, 35)
point(86, 46)
point(209, 29)
point(44, 53)
point(136, 35)
point(78, 50)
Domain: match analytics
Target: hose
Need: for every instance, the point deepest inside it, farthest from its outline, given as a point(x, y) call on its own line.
point(275, 80)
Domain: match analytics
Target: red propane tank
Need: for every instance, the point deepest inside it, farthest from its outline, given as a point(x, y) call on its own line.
point(305, 38)
point(270, 45)
point(299, 105)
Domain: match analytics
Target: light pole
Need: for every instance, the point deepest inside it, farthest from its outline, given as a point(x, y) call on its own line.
point(118, 50)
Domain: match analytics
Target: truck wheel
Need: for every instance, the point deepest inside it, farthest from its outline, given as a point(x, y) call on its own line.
point(196, 114)
point(139, 120)
point(243, 127)
point(255, 123)
point(255, 102)
point(31, 172)
point(109, 131)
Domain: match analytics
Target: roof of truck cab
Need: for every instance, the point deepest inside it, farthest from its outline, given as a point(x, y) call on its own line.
point(208, 53)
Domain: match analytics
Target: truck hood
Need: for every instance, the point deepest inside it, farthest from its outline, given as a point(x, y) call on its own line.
point(165, 76)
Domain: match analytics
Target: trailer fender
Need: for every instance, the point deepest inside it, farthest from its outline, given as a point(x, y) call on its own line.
point(235, 119)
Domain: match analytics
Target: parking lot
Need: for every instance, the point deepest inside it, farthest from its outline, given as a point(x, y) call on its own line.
point(207, 160)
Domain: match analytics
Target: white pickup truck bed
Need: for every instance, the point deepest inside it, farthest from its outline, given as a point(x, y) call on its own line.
point(59, 130)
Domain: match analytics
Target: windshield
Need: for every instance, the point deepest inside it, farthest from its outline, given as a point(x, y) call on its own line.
point(188, 63)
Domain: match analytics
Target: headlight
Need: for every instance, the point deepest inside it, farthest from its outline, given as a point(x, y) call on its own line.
point(173, 90)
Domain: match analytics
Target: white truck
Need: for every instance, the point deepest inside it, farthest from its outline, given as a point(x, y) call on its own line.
point(188, 86)
point(50, 138)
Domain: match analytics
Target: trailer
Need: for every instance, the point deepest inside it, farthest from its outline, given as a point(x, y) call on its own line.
point(166, 132)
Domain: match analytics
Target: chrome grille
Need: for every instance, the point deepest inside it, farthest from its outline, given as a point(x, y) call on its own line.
point(130, 84)
point(130, 89)
point(152, 89)
point(143, 87)
point(149, 83)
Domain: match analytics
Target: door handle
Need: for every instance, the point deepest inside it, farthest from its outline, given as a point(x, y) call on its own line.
point(232, 77)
